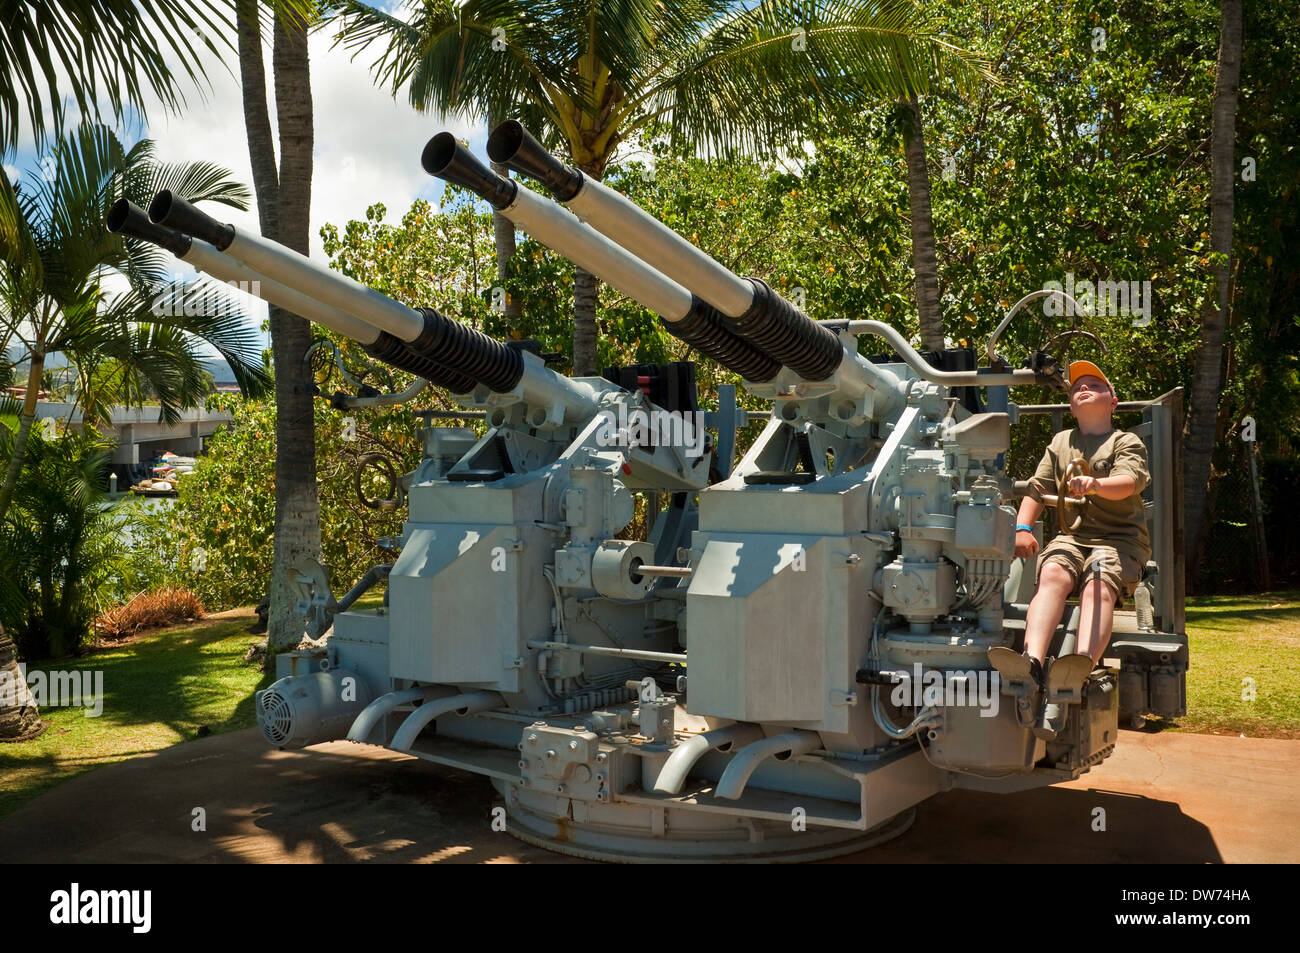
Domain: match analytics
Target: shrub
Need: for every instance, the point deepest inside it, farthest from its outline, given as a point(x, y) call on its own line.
point(149, 610)
point(59, 546)
point(217, 540)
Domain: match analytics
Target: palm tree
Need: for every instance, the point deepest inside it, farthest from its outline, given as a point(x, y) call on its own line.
point(119, 49)
point(283, 208)
point(1207, 376)
point(115, 48)
point(53, 269)
point(925, 264)
point(707, 71)
point(56, 545)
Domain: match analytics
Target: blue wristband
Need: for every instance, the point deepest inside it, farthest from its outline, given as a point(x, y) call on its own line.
point(1025, 526)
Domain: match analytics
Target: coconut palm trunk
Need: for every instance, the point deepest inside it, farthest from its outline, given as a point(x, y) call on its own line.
point(19, 718)
point(297, 506)
point(925, 263)
point(503, 236)
point(586, 295)
point(25, 422)
point(1207, 364)
point(284, 205)
point(586, 289)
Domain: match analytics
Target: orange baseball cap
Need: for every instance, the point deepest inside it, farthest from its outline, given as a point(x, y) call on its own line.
point(1088, 369)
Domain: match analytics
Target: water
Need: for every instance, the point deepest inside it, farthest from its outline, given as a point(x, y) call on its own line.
point(151, 504)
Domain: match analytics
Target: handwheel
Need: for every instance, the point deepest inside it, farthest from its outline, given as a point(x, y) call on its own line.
point(320, 359)
point(1070, 509)
point(379, 462)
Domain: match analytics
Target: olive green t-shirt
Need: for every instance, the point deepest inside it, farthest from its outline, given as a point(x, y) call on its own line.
point(1118, 523)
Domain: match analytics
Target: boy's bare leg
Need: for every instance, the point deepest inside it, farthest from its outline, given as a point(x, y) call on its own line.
point(1054, 586)
point(1096, 616)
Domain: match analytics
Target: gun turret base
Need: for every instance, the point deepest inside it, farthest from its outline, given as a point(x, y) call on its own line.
point(682, 835)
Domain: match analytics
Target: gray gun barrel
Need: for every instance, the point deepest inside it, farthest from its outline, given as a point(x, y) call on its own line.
point(427, 333)
point(684, 314)
point(128, 219)
point(756, 312)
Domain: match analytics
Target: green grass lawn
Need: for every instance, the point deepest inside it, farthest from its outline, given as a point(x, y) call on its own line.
point(158, 690)
point(162, 687)
point(1231, 638)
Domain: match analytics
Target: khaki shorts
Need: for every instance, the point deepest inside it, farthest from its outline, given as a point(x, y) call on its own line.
point(1119, 571)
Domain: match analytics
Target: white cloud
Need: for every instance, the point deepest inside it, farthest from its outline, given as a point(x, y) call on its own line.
point(367, 145)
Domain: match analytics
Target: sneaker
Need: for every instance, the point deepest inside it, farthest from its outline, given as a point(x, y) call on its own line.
point(1065, 679)
point(1024, 675)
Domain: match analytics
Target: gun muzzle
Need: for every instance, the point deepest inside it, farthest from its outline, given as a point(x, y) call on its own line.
point(685, 315)
point(756, 312)
point(125, 218)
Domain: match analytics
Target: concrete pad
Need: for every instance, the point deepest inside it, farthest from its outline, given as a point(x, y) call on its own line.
point(1167, 797)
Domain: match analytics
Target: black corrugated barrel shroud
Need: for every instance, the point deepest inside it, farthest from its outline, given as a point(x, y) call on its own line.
point(392, 350)
point(778, 328)
point(704, 329)
point(471, 352)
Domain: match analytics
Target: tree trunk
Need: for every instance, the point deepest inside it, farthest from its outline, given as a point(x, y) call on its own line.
point(257, 120)
point(1208, 361)
point(25, 421)
point(297, 506)
point(503, 234)
point(924, 261)
point(19, 719)
point(586, 293)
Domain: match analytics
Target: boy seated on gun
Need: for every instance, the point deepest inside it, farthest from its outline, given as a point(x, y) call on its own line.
point(1102, 558)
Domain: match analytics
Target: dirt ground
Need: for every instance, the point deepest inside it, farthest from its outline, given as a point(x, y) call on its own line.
point(1168, 797)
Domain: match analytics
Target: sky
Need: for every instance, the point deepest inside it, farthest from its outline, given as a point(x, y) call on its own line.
point(367, 145)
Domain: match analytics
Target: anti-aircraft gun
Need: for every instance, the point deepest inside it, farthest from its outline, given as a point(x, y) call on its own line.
point(785, 671)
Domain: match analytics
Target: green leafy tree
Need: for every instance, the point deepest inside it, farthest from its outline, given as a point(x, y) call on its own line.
point(216, 539)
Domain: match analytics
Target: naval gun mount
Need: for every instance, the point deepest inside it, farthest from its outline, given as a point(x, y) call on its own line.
point(800, 660)
point(809, 582)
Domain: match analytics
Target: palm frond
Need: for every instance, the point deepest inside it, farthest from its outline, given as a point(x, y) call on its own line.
point(17, 246)
point(766, 71)
point(91, 49)
point(480, 59)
